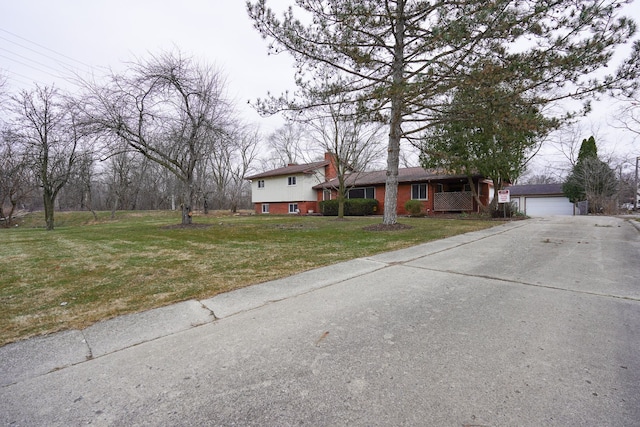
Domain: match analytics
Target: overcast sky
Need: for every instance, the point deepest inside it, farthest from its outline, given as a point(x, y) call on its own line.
point(41, 39)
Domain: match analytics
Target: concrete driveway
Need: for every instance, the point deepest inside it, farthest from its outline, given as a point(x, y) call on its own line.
point(531, 323)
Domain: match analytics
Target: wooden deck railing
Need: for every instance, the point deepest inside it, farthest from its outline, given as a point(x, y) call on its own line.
point(453, 201)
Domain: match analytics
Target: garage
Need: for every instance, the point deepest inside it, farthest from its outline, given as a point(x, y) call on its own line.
point(541, 199)
point(545, 206)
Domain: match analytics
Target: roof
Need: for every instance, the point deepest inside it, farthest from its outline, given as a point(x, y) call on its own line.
point(291, 170)
point(416, 174)
point(536, 190)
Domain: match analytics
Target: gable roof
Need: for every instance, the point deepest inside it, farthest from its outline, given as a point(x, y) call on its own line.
point(415, 174)
point(291, 170)
point(536, 190)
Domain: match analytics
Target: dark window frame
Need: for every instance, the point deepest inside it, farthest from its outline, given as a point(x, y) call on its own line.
point(418, 189)
point(367, 193)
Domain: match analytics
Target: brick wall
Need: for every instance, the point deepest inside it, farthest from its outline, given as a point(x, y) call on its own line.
point(282, 208)
point(330, 170)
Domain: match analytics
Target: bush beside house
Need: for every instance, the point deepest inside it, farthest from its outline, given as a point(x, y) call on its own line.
point(413, 207)
point(352, 207)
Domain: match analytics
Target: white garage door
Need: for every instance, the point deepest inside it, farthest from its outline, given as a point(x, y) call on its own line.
point(545, 206)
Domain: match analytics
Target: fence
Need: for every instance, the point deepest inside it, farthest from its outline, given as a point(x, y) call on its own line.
point(453, 201)
point(582, 208)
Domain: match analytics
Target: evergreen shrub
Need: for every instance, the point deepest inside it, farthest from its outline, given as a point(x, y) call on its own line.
point(414, 207)
point(352, 207)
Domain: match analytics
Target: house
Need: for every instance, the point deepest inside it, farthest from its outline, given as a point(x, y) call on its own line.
point(438, 192)
point(541, 200)
point(289, 189)
point(297, 189)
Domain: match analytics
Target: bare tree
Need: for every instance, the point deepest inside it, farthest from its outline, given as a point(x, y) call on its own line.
point(46, 127)
point(353, 142)
point(168, 109)
point(287, 145)
point(599, 184)
point(117, 177)
point(16, 178)
point(84, 180)
point(545, 176)
point(230, 161)
point(628, 115)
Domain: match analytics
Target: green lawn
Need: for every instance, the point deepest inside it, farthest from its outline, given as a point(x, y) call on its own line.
point(87, 270)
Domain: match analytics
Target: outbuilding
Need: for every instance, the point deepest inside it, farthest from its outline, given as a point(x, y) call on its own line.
point(541, 200)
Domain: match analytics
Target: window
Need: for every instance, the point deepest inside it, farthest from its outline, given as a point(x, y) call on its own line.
point(326, 194)
point(291, 180)
point(419, 191)
point(265, 208)
point(261, 183)
point(361, 193)
point(293, 208)
point(458, 187)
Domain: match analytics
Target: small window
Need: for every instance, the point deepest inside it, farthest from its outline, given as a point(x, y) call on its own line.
point(326, 195)
point(265, 208)
point(261, 183)
point(291, 180)
point(419, 191)
point(293, 208)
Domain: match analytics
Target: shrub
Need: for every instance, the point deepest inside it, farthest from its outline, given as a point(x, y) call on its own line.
point(414, 207)
point(352, 207)
point(329, 207)
point(510, 208)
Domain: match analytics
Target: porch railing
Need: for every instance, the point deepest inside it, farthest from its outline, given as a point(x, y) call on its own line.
point(453, 201)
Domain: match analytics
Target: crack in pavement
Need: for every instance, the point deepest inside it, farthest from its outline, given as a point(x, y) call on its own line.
point(535, 285)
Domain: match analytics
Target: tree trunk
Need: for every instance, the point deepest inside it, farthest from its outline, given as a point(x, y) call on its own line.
point(8, 217)
point(341, 197)
point(474, 192)
point(49, 201)
point(340, 206)
point(188, 204)
point(391, 185)
point(114, 206)
point(497, 185)
point(89, 203)
point(186, 214)
point(395, 123)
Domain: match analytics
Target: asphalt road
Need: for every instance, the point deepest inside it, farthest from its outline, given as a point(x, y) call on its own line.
point(532, 323)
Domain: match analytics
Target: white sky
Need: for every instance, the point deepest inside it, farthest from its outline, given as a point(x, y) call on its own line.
point(41, 39)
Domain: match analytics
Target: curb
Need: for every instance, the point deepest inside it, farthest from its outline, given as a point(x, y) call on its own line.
point(635, 223)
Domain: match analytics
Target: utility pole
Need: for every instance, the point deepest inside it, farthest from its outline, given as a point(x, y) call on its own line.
point(637, 189)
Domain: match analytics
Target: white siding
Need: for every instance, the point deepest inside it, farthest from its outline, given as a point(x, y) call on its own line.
point(276, 189)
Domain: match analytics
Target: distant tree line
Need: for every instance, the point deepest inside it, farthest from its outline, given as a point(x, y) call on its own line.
point(160, 135)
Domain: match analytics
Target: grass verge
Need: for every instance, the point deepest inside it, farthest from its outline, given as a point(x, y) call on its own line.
point(88, 270)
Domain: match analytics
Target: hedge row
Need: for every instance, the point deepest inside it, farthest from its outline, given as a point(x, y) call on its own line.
point(352, 207)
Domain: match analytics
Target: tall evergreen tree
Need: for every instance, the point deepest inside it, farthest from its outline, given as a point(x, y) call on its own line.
point(590, 179)
point(488, 128)
point(588, 149)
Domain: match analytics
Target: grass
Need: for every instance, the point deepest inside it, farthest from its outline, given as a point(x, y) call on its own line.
point(88, 270)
